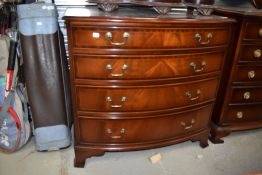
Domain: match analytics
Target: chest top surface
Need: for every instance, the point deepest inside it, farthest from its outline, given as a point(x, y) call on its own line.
point(140, 14)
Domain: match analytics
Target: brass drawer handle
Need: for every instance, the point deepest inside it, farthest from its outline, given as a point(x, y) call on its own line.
point(193, 65)
point(189, 95)
point(122, 131)
point(240, 115)
point(251, 74)
point(260, 32)
point(123, 69)
point(109, 37)
point(185, 126)
point(110, 100)
point(247, 95)
point(257, 53)
point(198, 37)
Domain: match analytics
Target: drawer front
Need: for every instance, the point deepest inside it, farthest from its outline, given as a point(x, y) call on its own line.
point(243, 114)
point(248, 74)
point(251, 53)
point(145, 67)
point(87, 37)
point(246, 95)
point(145, 98)
point(254, 31)
point(143, 130)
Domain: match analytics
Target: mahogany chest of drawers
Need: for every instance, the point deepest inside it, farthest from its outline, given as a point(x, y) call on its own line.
point(240, 103)
point(140, 80)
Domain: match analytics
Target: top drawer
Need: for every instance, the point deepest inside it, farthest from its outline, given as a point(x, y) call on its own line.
point(148, 38)
point(253, 31)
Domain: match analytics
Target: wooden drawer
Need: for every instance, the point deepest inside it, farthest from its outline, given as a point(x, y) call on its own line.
point(148, 38)
point(145, 98)
point(143, 129)
point(243, 113)
point(253, 31)
point(146, 67)
point(246, 94)
point(251, 53)
point(248, 74)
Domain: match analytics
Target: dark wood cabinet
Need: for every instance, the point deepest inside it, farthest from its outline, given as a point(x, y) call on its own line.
point(240, 103)
point(140, 80)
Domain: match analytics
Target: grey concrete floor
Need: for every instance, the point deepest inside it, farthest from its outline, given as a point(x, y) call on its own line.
point(240, 154)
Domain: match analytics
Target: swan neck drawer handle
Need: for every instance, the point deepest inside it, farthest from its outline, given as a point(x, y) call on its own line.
point(123, 69)
point(185, 126)
point(109, 37)
point(190, 96)
point(198, 37)
point(110, 101)
point(193, 65)
point(122, 132)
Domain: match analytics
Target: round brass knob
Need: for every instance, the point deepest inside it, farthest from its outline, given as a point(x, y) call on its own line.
point(257, 53)
point(260, 32)
point(251, 74)
point(247, 95)
point(240, 115)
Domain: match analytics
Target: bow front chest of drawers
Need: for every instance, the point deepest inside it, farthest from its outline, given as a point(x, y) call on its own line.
point(140, 80)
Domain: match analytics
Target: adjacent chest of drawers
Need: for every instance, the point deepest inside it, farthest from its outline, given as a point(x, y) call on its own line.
point(142, 81)
point(241, 104)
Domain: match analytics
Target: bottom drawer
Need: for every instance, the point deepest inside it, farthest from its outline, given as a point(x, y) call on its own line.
point(143, 129)
point(243, 114)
